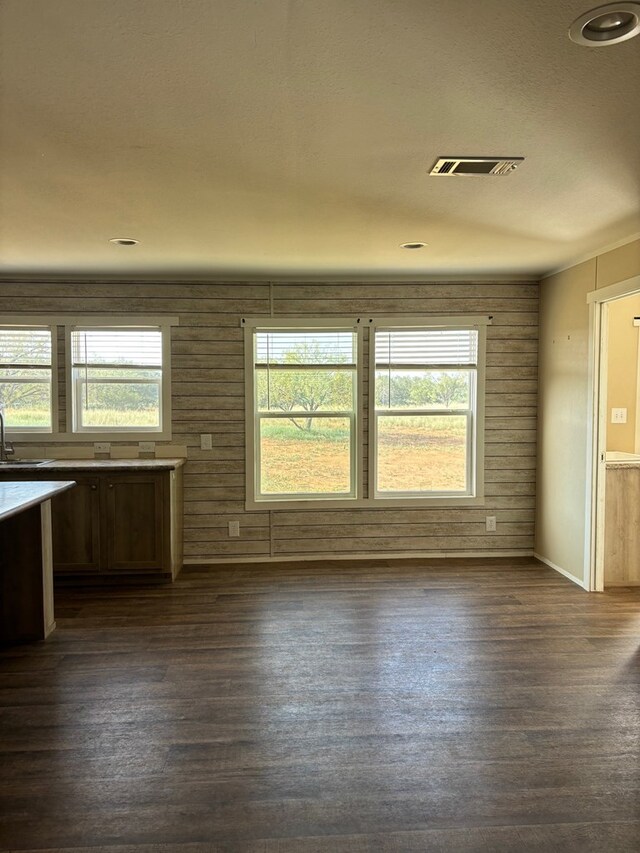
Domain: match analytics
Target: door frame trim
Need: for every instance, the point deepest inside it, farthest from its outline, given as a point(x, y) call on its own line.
point(597, 301)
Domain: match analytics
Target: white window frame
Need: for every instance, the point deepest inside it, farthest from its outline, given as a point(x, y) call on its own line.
point(74, 385)
point(254, 501)
point(362, 500)
point(474, 496)
point(36, 433)
point(73, 321)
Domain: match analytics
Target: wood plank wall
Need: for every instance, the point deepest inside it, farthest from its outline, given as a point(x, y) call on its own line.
point(208, 397)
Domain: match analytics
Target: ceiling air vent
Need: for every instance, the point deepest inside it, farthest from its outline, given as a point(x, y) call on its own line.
point(475, 165)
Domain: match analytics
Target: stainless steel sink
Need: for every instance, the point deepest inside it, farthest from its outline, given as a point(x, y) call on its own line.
point(38, 462)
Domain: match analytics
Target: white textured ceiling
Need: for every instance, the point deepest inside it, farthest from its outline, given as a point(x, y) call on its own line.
point(290, 137)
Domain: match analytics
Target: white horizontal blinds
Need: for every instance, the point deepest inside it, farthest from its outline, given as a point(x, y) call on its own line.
point(425, 368)
point(117, 348)
point(305, 413)
point(305, 347)
point(117, 378)
point(26, 378)
point(426, 347)
point(22, 347)
point(425, 392)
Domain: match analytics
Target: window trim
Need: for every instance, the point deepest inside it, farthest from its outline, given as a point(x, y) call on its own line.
point(117, 433)
point(28, 323)
point(475, 442)
point(364, 498)
point(252, 416)
point(69, 322)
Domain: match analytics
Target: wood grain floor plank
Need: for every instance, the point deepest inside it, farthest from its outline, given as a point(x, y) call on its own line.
point(380, 707)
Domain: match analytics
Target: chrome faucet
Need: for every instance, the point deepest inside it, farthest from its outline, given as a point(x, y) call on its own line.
point(5, 447)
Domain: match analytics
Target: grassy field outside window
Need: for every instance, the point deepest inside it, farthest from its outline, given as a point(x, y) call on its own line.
point(412, 453)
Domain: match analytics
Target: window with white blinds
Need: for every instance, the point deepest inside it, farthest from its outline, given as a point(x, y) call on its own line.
point(315, 414)
point(26, 374)
point(117, 378)
point(304, 421)
point(424, 430)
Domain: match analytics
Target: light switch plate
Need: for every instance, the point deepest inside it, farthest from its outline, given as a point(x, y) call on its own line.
point(234, 528)
point(101, 447)
point(491, 524)
point(618, 416)
point(205, 441)
point(147, 446)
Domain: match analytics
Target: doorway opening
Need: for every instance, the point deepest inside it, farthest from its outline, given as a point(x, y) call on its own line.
point(613, 498)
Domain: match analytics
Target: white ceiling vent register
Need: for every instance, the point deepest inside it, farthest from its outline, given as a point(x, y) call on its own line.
point(475, 165)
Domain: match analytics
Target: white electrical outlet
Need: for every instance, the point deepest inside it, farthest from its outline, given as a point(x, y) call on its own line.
point(205, 441)
point(618, 416)
point(147, 446)
point(234, 528)
point(101, 447)
point(491, 523)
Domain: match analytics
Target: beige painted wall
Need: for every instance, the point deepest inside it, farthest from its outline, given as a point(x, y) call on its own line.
point(622, 372)
point(563, 407)
point(562, 417)
point(618, 264)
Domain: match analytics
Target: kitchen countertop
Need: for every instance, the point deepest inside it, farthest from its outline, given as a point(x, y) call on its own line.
point(621, 459)
point(16, 497)
point(97, 465)
point(630, 464)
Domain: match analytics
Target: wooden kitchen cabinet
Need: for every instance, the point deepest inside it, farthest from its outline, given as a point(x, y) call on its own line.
point(135, 522)
point(76, 527)
point(117, 522)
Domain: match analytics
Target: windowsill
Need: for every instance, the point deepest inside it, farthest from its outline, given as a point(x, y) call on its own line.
point(83, 437)
point(363, 503)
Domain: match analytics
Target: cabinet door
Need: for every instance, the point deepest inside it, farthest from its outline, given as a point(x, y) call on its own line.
point(135, 528)
point(75, 521)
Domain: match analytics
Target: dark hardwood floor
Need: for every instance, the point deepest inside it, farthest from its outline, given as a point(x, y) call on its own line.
point(328, 708)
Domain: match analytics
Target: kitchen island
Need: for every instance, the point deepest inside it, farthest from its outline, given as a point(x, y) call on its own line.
point(26, 564)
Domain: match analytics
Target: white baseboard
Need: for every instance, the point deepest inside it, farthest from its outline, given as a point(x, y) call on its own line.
point(563, 572)
point(395, 555)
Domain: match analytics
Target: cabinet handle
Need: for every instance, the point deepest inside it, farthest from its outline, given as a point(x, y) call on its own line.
point(110, 485)
point(93, 488)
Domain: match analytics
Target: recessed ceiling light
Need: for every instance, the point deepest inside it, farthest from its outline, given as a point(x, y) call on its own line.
point(606, 25)
point(124, 241)
point(412, 245)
